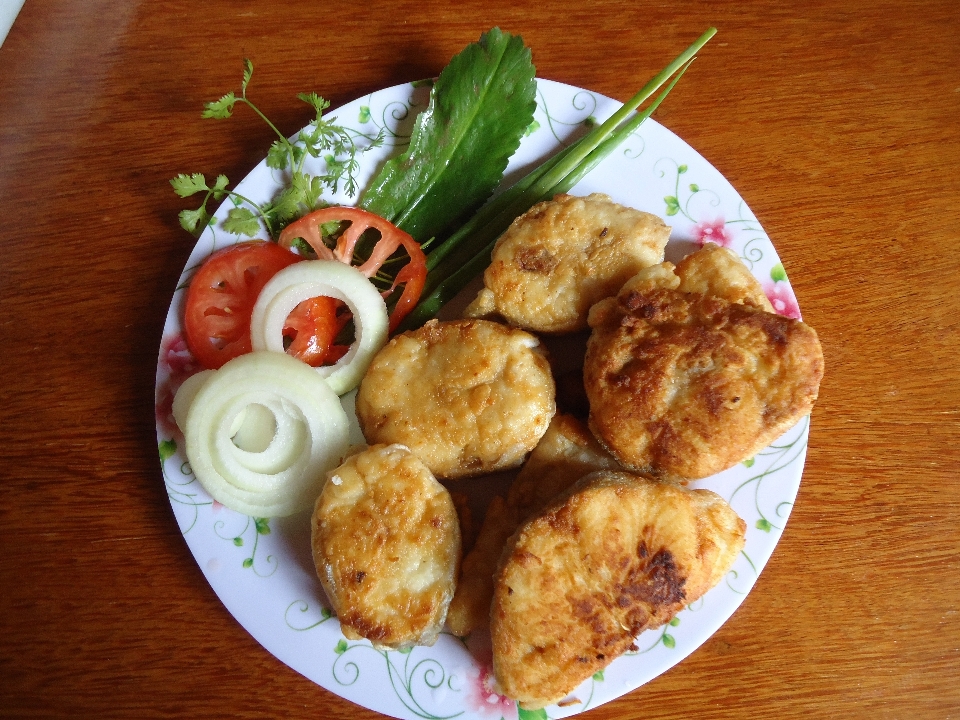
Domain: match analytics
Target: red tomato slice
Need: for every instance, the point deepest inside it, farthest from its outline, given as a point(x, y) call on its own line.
point(313, 326)
point(222, 295)
point(412, 275)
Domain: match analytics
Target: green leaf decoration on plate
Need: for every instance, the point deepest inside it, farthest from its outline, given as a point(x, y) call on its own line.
point(168, 448)
point(262, 525)
point(777, 273)
point(365, 115)
point(540, 714)
point(669, 641)
point(341, 647)
point(749, 462)
point(673, 204)
point(764, 524)
point(598, 676)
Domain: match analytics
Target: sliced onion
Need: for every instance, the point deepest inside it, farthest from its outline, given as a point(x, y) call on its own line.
point(313, 278)
point(261, 432)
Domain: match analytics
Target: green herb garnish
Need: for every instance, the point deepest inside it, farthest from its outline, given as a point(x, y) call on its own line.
point(479, 109)
point(321, 138)
point(454, 263)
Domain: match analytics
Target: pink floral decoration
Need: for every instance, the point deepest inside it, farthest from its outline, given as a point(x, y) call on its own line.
point(716, 232)
point(481, 698)
point(178, 361)
point(781, 296)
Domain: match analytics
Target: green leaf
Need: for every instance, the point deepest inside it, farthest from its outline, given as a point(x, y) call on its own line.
point(673, 205)
point(247, 74)
point(341, 647)
point(187, 185)
point(669, 641)
point(238, 541)
point(405, 651)
point(694, 187)
point(325, 613)
point(764, 524)
point(531, 128)
point(278, 155)
point(682, 169)
point(364, 116)
point(674, 621)
point(479, 108)
point(777, 273)
point(241, 221)
point(749, 462)
point(262, 525)
point(591, 121)
point(540, 714)
point(190, 220)
point(168, 448)
point(248, 563)
point(598, 676)
point(222, 108)
point(219, 187)
point(314, 100)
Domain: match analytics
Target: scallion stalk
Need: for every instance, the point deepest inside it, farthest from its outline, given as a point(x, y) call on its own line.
point(465, 254)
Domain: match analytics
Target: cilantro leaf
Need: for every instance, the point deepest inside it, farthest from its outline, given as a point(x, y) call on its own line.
point(222, 108)
point(186, 185)
point(318, 103)
point(241, 221)
point(247, 74)
point(193, 220)
point(479, 108)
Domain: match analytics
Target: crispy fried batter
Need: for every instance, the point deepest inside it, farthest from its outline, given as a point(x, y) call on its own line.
point(386, 545)
point(686, 385)
point(469, 397)
point(565, 454)
point(617, 555)
point(563, 255)
point(717, 271)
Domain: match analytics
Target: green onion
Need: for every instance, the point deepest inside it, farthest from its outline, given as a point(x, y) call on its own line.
point(465, 254)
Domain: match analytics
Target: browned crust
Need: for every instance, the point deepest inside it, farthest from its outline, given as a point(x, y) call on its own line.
point(685, 385)
point(615, 556)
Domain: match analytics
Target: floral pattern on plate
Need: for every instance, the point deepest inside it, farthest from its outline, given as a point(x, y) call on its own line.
point(262, 569)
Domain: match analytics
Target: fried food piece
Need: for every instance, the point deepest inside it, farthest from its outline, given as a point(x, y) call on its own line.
point(386, 545)
point(469, 397)
point(562, 256)
point(685, 385)
point(718, 272)
point(565, 454)
point(618, 555)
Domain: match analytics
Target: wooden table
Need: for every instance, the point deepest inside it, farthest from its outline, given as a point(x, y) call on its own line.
point(839, 123)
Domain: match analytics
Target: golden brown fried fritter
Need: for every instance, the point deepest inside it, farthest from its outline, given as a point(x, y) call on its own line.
point(469, 397)
point(617, 555)
point(686, 385)
point(386, 545)
point(565, 454)
point(563, 255)
point(718, 271)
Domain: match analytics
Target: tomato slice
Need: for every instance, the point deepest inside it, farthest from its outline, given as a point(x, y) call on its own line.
point(222, 295)
point(412, 275)
point(312, 328)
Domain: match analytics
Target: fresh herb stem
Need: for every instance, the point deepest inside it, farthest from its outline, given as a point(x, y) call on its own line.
point(467, 252)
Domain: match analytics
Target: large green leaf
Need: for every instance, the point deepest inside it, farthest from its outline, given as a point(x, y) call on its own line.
point(479, 108)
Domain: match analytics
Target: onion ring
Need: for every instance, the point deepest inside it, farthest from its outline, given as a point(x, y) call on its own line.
point(261, 432)
point(312, 278)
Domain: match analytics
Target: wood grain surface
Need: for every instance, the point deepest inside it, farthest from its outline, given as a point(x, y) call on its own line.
point(838, 122)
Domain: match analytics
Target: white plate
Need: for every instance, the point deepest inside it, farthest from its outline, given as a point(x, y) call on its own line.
point(262, 569)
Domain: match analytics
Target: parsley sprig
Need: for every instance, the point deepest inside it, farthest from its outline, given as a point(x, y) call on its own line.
point(321, 138)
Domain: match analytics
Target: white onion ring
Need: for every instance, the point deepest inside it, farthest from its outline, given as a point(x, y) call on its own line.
point(313, 278)
point(309, 433)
